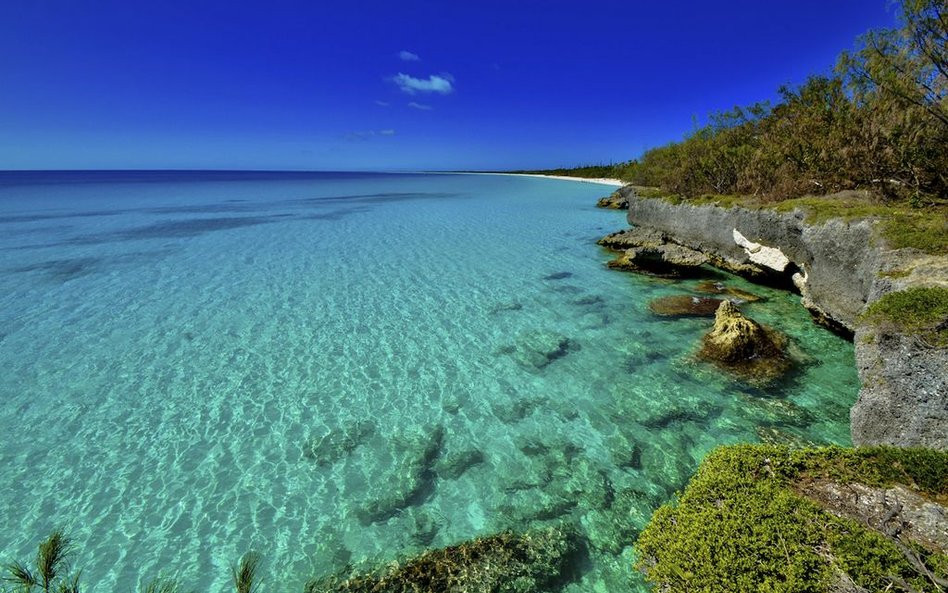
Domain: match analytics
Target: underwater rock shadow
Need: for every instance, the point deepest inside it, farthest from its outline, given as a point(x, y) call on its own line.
point(378, 198)
point(20, 218)
point(337, 214)
point(62, 270)
point(411, 480)
point(535, 350)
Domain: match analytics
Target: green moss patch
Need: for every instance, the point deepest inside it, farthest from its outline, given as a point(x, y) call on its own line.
point(741, 526)
point(920, 310)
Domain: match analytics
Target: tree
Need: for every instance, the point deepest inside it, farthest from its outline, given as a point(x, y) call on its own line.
point(909, 63)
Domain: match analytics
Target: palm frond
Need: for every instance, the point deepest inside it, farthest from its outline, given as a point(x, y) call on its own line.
point(20, 575)
point(245, 573)
point(70, 585)
point(161, 585)
point(51, 558)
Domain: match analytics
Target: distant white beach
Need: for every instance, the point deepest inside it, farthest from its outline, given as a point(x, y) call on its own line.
point(597, 180)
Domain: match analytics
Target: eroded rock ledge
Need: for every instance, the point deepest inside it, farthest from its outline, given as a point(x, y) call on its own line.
point(839, 267)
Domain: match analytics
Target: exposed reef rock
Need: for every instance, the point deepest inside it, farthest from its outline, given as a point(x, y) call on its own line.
point(615, 201)
point(669, 260)
point(634, 237)
point(540, 561)
point(839, 267)
point(535, 350)
point(896, 508)
point(684, 305)
point(744, 347)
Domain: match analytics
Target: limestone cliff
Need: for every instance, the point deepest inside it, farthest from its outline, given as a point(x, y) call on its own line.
point(839, 267)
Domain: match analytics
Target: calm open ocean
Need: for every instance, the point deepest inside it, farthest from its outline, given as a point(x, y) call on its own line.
point(339, 369)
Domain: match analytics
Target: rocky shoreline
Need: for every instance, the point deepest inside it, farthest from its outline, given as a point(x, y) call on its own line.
point(839, 268)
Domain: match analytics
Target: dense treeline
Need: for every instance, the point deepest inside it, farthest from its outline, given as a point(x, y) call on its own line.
point(588, 171)
point(879, 122)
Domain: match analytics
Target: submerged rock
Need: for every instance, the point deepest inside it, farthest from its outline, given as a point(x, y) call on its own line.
point(533, 562)
point(742, 346)
point(624, 452)
point(772, 435)
point(535, 350)
point(593, 301)
point(453, 465)
point(512, 410)
point(425, 526)
point(337, 442)
point(684, 306)
point(774, 411)
point(614, 201)
point(615, 527)
point(558, 276)
point(713, 287)
point(502, 307)
point(409, 480)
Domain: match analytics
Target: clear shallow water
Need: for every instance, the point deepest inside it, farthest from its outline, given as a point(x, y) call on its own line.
point(335, 369)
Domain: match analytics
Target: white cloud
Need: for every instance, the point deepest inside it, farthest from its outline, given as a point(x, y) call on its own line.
point(382, 103)
point(420, 106)
point(436, 83)
point(386, 132)
point(408, 56)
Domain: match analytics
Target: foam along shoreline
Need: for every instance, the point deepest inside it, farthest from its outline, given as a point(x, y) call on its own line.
point(597, 180)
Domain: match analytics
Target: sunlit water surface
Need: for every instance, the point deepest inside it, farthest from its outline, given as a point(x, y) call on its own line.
point(345, 369)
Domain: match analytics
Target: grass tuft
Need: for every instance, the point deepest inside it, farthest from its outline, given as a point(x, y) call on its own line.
point(921, 310)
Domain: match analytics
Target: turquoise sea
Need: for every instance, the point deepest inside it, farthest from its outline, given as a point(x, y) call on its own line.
point(343, 369)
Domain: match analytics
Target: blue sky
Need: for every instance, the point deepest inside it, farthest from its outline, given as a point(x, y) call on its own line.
point(355, 85)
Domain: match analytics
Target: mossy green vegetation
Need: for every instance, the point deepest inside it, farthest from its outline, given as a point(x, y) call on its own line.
point(743, 525)
point(919, 310)
point(502, 563)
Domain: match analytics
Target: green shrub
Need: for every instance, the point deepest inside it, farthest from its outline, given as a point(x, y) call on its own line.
point(741, 526)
